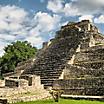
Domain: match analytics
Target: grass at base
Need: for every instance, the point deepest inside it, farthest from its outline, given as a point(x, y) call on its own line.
point(63, 101)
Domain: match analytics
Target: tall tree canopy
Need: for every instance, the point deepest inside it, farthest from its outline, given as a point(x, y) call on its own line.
point(14, 53)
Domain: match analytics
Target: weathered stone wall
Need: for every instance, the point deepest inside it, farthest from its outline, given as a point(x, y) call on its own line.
point(3, 101)
point(26, 88)
point(28, 78)
point(23, 94)
point(33, 80)
point(90, 55)
point(2, 83)
point(72, 71)
point(78, 86)
point(9, 74)
point(99, 39)
point(11, 83)
point(85, 25)
point(16, 83)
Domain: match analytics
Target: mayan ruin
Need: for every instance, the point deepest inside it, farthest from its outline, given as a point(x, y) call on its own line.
point(76, 53)
point(73, 61)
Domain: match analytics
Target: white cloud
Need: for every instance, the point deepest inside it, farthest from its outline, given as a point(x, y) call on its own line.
point(10, 13)
point(12, 18)
point(55, 5)
point(4, 40)
point(76, 7)
point(70, 10)
point(44, 23)
point(7, 37)
point(99, 2)
point(58, 6)
point(15, 24)
point(74, 0)
point(37, 41)
point(89, 7)
point(64, 23)
point(3, 25)
point(100, 19)
point(86, 17)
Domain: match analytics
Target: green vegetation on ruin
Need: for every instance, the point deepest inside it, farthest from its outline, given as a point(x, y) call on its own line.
point(63, 101)
point(15, 53)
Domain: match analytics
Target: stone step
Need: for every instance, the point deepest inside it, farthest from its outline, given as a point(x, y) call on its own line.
point(49, 69)
point(49, 77)
point(47, 81)
point(53, 74)
point(53, 71)
point(48, 73)
point(47, 85)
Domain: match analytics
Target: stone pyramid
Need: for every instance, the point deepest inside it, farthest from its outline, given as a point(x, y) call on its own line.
point(76, 52)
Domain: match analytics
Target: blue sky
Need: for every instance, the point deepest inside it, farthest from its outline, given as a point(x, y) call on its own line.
point(37, 20)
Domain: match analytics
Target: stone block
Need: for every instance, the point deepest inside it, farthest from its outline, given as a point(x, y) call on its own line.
point(16, 83)
point(3, 101)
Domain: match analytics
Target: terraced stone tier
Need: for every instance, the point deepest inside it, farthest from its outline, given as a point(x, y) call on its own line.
point(73, 71)
point(81, 86)
point(91, 54)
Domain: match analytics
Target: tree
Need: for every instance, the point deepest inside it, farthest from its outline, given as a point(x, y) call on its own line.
point(14, 53)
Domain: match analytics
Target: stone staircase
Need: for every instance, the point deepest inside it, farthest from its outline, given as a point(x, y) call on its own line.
point(51, 62)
